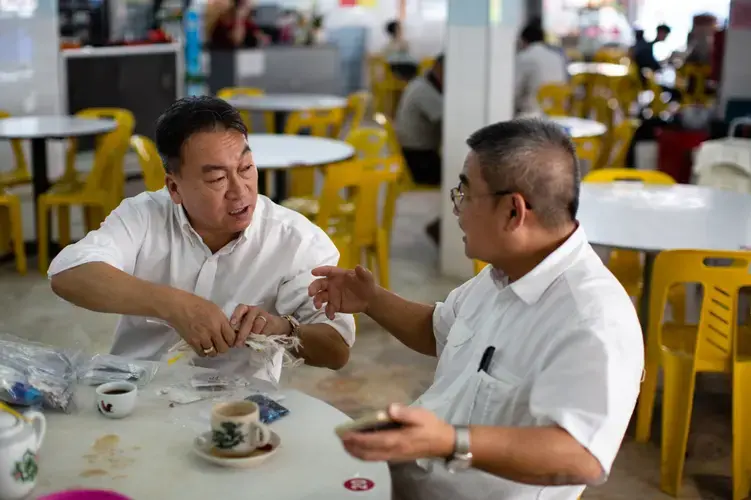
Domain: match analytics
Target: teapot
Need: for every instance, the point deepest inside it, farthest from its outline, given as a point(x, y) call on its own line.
point(20, 439)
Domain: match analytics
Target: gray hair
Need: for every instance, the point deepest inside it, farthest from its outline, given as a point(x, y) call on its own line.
point(535, 158)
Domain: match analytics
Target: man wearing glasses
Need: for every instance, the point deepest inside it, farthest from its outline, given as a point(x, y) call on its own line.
point(540, 354)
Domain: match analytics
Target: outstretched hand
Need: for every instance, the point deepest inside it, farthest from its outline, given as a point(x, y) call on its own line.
point(342, 290)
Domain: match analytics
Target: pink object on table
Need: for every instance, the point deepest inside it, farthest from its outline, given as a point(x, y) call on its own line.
point(85, 495)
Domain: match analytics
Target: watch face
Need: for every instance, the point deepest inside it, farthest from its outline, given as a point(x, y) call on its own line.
point(458, 464)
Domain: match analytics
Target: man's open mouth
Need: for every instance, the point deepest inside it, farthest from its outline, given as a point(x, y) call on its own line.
point(239, 211)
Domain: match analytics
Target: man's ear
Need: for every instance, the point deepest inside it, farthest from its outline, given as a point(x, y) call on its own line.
point(173, 189)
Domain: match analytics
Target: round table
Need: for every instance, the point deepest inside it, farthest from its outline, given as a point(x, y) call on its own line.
point(283, 152)
point(38, 129)
point(604, 69)
point(579, 127)
point(287, 103)
point(651, 219)
point(149, 453)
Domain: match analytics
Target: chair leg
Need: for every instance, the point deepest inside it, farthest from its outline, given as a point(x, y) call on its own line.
point(270, 122)
point(16, 235)
point(677, 301)
point(382, 256)
point(43, 230)
point(63, 225)
point(678, 400)
point(646, 404)
point(5, 230)
point(741, 430)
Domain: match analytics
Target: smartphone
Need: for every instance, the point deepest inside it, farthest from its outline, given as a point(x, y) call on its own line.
point(375, 422)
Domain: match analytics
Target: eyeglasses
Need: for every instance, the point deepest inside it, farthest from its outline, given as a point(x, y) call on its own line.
point(457, 196)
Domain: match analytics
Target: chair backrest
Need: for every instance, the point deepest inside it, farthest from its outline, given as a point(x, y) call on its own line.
point(230, 92)
point(605, 109)
point(605, 175)
point(479, 266)
point(727, 176)
point(588, 150)
point(323, 123)
point(19, 157)
point(425, 64)
point(369, 142)
point(554, 98)
point(622, 137)
point(357, 106)
point(150, 161)
point(721, 283)
point(693, 83)
point(393, 140)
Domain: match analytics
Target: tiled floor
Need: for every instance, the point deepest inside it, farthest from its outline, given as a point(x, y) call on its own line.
point(381, 370)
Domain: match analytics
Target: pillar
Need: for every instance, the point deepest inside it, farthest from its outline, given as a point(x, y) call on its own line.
point(478, 90)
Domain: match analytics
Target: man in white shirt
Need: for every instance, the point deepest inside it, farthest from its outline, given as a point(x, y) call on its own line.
point(206, 255)
point(540, 355)
point(537, 64)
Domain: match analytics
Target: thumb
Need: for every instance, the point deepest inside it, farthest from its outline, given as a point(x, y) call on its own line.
point(362, 273)
point(405, 414)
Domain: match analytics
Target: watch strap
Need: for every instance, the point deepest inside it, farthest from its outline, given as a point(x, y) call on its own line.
point(294, 324)
point(462, 440)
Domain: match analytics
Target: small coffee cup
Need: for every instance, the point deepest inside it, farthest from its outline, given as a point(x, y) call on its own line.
point(116, 399)
point(236, 429)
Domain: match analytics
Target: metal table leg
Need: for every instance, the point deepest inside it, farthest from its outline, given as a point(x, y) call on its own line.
point(649, 260)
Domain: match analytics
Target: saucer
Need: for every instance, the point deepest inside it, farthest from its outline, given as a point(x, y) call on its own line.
point(203, 448)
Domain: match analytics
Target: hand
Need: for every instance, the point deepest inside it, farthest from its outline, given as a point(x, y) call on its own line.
point(342, 290)
point(424, 436)
point(251, 319)
point(202, 324)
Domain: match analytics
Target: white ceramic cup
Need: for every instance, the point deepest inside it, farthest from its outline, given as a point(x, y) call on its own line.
point(116, 399)
point(236, 429)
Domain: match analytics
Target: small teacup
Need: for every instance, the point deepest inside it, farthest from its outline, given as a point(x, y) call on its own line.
point(116, 399)
point(236, 430)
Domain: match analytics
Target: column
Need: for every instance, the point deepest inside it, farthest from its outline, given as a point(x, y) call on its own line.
point(736, 72)
point(478, 90)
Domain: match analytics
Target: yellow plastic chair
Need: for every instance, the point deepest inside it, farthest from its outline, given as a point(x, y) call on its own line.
point(426, 63)
point(386, 87)
point(73, 179)
point(588, 150)
point(716, 345)
point(581, 95)
point(268, 116)
point(95, 195)
point(363, 232)
point(357, 106)
point(479, 266)
point(554, 99)
point(605, 109)
point(695, 75)
point(395, 148)
point(626, 265)
point(20, 173)
point(150, 161)
point(369, 142)
point(622, 136)
point(11, 230)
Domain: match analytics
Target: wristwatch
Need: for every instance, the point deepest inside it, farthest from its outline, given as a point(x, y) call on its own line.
point(295, 332)
point(461, 459)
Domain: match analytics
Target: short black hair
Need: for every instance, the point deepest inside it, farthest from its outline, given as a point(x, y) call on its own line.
point(664, 27)
point(533, 33)
point(535, 158)
point(392, 27)
point(188, 116)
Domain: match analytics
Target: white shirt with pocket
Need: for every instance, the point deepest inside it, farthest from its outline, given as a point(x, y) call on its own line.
point(568, 353)
point(269, 265)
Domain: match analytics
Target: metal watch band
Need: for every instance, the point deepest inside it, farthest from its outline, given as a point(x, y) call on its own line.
point(461, 441)
point(294, 324)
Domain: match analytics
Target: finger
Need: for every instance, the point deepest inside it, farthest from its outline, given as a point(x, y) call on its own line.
point(198, 347)
point(260, 323)
point(237, 316)
point(220, 345)
point(386, 441)
point(228, 334)
point(317, 286)
point(362, 273)
point(320, 299)
point(206, 347)
point(407, 415)
point(246, 326)
point(324, 270)
point(334, 304)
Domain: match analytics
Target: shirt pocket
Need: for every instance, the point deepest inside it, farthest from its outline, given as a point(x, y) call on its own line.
point(495, 397)
point(461, 333)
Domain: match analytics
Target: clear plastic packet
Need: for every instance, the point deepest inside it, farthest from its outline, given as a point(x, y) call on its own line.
point(35, 374)
point(103, 368)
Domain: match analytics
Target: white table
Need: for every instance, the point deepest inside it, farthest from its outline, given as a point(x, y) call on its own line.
point(151, 456)
point(287, 103)
point(283, 152)
point(579, 127)
point(651, 219)
point(38, 129)
point(604, 69)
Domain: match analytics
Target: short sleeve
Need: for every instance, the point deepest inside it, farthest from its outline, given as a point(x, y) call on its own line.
point(589, 385)
point(117, 242)
point(445, 313)
point(292, 296)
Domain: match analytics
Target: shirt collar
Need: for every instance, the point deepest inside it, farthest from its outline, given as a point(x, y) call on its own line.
point(195, 239)
point(532, 285)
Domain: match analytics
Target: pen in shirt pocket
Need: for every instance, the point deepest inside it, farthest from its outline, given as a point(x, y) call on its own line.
point(487, 358)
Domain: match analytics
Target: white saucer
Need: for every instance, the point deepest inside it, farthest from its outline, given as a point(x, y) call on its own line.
point(203, 448)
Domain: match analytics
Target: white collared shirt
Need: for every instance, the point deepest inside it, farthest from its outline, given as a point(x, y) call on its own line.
point(568, 352)
point(536, 65)
point(150, 237)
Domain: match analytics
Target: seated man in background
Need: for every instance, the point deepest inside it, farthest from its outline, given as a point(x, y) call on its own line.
point(537, 64)
point(645, 55)
point(419, 120)
point(396, 46)
point(206, 255)
point(540, 356)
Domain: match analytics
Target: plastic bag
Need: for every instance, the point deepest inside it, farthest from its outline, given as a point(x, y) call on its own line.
point(34, 374)
point(103, 368)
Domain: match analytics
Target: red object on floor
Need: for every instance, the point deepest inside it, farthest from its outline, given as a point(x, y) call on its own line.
point(674, 152)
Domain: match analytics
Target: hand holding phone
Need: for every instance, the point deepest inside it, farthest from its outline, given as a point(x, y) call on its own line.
point(374, 422)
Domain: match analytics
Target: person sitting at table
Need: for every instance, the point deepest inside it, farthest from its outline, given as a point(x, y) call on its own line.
point(540, 355)
point(205, 255)
point(419, 118)
point(537, 64)
point(396, 45)
point(229, 25)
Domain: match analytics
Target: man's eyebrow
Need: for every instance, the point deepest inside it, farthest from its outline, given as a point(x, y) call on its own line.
point(464, 179)
point(210, 168)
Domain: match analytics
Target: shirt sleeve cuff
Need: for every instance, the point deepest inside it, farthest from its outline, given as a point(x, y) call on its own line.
point(68, 260)
point(582, 432)
point(344, 324)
